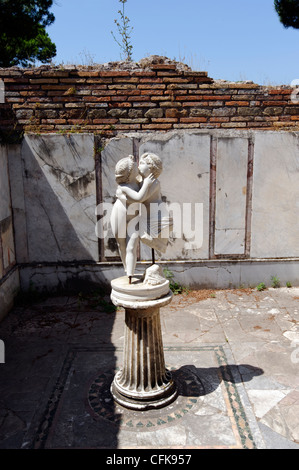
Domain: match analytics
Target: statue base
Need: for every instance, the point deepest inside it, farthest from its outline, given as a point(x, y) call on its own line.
point(143, 382)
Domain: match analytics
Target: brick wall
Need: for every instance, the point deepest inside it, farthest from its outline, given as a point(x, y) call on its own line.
point(159, 97)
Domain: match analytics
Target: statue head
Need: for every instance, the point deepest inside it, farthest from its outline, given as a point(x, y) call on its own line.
point(153, 162)
point(124, 169)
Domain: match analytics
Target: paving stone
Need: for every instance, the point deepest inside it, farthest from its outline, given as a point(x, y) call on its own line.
point(234, 357)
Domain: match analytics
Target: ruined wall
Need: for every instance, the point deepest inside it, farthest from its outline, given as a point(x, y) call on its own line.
point(219, 145)
point(246, 182)
point(147, 96)
point(9, 280)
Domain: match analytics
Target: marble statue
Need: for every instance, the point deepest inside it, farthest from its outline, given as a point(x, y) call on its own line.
point(156, 225)
point(139, 184)
point(143, 382)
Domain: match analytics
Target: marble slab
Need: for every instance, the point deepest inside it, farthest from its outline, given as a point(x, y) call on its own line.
point(185, 181)
point(231, 186)
point(60, 197)
point(275, 199)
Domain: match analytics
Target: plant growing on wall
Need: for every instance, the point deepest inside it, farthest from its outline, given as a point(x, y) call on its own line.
point(124, 30)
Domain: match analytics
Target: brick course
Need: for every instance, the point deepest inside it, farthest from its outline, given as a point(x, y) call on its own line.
point(163, 98)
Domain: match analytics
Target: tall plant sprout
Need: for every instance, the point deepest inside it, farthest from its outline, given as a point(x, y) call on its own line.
point(124, 31)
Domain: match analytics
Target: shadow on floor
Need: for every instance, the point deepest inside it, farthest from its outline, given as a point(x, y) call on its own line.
point(48, 352)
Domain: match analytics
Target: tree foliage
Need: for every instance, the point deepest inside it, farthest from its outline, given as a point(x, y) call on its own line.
point(23, 37)
point(288, 12)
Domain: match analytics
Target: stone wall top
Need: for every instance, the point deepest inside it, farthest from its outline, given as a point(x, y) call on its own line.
point(155, 94)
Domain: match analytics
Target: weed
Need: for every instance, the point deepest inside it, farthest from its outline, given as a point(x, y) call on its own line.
point(275, 281)
point(288, 284)
point(124, 31)
point(261, 286)
point(174, 286)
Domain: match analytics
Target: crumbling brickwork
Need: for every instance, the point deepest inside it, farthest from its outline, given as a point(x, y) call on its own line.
point(148, 97)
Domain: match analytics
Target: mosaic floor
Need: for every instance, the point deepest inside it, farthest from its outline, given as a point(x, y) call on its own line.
point(208, 413)
point(234, 357)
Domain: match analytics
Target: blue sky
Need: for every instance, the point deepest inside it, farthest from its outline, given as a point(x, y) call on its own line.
point(230, 39)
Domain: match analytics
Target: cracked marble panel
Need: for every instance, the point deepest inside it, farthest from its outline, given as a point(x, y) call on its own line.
point(60, 197)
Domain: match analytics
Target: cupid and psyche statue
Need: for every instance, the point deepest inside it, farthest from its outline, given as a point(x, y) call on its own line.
point(139, 189)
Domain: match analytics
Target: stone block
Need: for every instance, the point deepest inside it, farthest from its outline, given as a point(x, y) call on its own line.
point(154, 113)
point(250, 111)
point(117, 112)
point(273, 110)
point(201, 112)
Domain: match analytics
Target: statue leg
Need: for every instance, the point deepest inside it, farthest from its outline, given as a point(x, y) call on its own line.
point(121, 243)
point(131, 256)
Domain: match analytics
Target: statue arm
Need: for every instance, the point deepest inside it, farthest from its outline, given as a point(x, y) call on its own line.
point(141, 195)
point(154, 191)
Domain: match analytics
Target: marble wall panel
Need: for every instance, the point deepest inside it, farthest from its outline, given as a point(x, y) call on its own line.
point(231, 187)
point(60, 197)
point(7, 250)
point(275, 199)
point(18, 203)
point(185, 181)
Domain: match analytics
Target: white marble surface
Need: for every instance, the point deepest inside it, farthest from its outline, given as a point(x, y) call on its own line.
point(275, 202)
point(60, 197)
point(185, 180)
point(231, 185)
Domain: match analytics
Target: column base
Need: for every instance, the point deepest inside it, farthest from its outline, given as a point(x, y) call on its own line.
point(145, 400)
point(143, 383)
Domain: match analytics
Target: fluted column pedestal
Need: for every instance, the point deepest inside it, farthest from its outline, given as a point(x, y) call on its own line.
point(143, 382)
